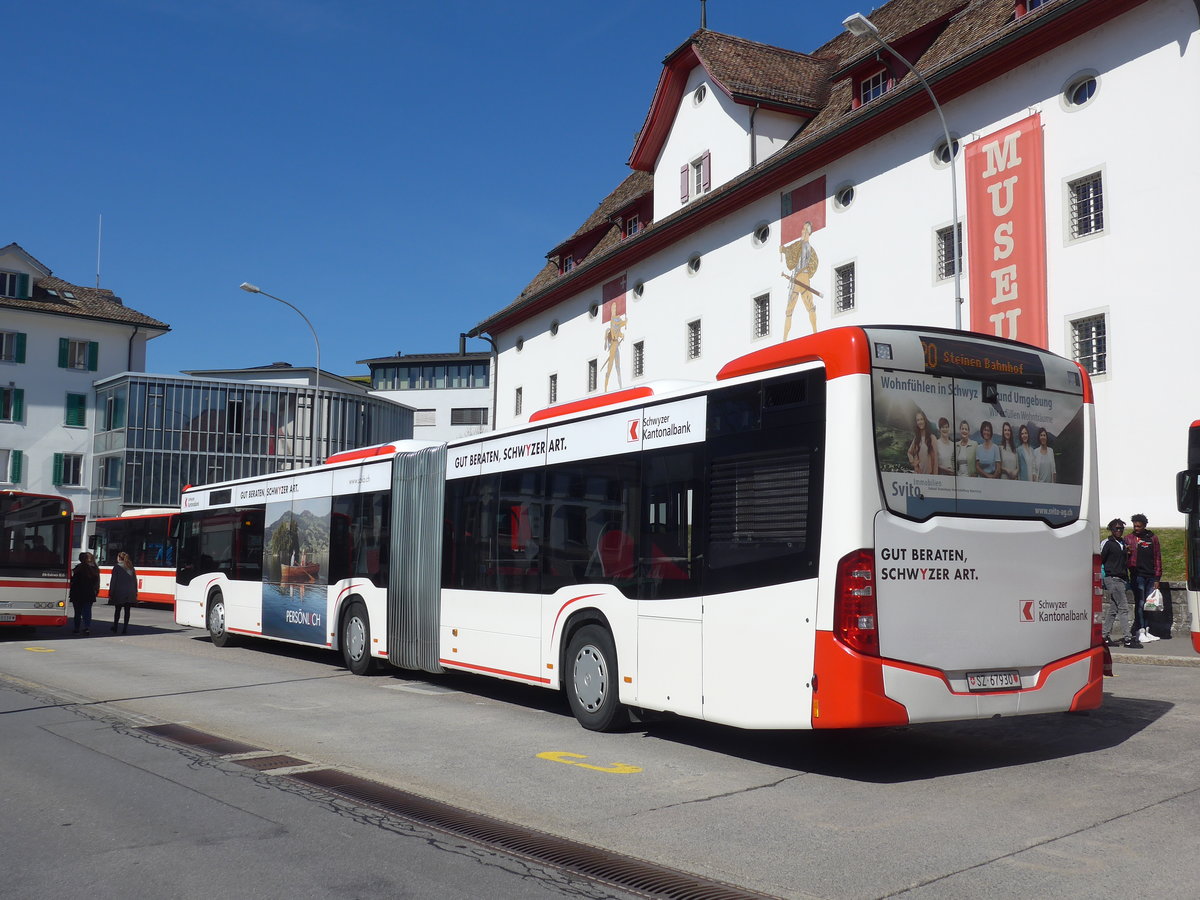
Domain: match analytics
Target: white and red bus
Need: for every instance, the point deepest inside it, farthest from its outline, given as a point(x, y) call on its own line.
point(1189, 504)
point(776, 549)
point(145, 535)
point(35, 558)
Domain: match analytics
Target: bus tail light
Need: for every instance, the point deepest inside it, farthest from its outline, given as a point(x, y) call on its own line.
point(1097, 603)
point(855, 613)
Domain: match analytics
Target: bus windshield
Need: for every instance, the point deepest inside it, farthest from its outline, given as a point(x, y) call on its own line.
point(35, 533)
point(970, 428)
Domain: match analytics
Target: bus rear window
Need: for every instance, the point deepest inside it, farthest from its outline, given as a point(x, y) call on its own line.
point(954, 445)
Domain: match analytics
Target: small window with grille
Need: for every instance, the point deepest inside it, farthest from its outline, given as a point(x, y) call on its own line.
point(592, 370)
point(948, 262)
point(517, 400)
point(639, 359)
point(762, 315)
point(1089, 343)
point(552, 390)
point(1085, 202)
point(693, 339)
point(843, 288)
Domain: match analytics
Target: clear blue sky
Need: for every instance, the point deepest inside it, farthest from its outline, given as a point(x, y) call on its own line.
point(396, 170)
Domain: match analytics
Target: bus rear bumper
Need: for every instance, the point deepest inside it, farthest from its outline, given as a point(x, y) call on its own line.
point(43, 621)
point(1073, 683)
point(858, 691)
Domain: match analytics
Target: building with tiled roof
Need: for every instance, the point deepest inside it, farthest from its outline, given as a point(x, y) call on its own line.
point(56, 340)
point(1058, 109)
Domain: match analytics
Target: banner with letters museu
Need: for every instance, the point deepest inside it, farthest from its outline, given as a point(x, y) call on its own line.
point(1006, 233)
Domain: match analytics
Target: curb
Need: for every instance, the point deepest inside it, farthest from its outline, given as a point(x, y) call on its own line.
point(1155, 659)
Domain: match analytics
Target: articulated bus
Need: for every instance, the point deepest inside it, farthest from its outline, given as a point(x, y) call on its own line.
point(863, 527)
point(35, 558)
point(145, 535)
point(1189, 504)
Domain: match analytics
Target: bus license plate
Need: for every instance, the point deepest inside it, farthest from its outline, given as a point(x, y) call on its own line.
point(993, 681)
point(7, 617)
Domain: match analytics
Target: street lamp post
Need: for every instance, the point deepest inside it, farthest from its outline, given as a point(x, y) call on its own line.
point(859, 25)
point(316, 408)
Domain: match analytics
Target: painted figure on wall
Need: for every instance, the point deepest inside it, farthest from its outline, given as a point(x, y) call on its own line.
point(801, 213)
point(801, 261)
point(614, 334)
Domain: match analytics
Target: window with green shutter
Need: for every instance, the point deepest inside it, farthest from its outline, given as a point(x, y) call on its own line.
point(83, 355)
point(12, 346)
point(12, 404)
point(14, 469)
point(76, 410)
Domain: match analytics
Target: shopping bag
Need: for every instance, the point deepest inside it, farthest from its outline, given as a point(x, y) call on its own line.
point(1154, 601)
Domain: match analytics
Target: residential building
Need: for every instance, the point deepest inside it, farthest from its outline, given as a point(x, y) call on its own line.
point(56, 340)
point(450, 393)
point(776, 192)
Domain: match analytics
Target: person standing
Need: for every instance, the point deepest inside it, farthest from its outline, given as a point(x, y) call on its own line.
point(964, 451)
point(1115, 565)
point(1145, 570)
point(122, 589)
point(85, 585)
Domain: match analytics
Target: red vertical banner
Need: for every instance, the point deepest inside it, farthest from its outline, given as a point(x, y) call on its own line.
point(1006, 231)
point(612, 299)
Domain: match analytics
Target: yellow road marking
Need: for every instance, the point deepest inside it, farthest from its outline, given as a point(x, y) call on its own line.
point(40, 649)
point(572, 759)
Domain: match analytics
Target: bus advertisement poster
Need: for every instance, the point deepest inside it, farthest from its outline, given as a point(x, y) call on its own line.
point(978, 448)
point(296, 570)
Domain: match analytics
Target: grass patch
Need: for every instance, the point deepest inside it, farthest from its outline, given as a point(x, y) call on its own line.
point(1171, 543)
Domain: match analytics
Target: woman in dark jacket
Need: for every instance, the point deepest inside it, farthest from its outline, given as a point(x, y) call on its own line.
point(85, 585)
point(122, 589)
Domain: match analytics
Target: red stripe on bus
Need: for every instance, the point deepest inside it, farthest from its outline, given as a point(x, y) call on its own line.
point(1091, 695)
point(558, 615)
point(364, 453)
point(844, 351)
point(454, 664)
point(1087, 383)
point(57, 585)
point(575, 406)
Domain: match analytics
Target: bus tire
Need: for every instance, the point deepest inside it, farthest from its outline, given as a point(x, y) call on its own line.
point(592, 680)
point(356, 639)
point(216, 621)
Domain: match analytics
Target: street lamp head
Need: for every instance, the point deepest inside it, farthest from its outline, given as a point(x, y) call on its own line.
point(250, 288)
point(860, 26)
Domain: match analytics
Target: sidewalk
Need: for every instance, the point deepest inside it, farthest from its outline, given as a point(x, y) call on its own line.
point(1175, 651)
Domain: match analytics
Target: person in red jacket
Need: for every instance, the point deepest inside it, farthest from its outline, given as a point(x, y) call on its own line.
point(1145, 571)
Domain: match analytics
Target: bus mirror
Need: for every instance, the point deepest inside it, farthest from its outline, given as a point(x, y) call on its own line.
point(1185, 492)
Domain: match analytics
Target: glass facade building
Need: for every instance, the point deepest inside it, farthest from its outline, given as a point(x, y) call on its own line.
point(156, 433)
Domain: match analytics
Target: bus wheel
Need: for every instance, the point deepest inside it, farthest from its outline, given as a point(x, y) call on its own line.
point(592, 680)
point(216, 622)
point(356, 639)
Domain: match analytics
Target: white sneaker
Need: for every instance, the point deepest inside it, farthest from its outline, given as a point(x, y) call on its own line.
point(1148, 637)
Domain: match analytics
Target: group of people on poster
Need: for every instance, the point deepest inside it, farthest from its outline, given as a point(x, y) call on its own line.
point(1016, 455)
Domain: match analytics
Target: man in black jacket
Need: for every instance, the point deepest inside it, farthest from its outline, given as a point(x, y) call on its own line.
point(1114, 561)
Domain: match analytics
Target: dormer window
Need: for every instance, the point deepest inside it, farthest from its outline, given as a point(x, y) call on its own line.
point(14, 284)
point(1028, 6)
point(695, 178)
point(568, 263)
point(632, 225)
point(873, 86)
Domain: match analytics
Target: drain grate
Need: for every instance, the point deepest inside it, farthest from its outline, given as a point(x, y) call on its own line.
point(263, 763)
point(602, 866)
point(592, 862)
point(190, 737)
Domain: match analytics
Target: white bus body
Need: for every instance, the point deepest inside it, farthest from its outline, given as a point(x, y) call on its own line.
point(774, 550)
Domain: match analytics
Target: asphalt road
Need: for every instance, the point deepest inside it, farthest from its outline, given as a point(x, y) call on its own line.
point(1102, 804)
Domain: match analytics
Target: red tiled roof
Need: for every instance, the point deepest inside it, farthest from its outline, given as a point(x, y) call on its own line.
point(84, 302)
